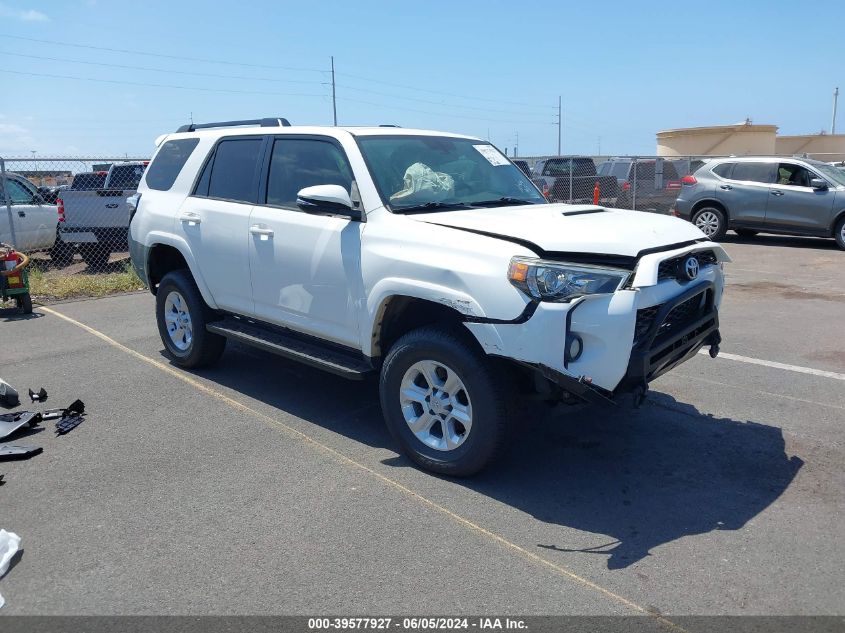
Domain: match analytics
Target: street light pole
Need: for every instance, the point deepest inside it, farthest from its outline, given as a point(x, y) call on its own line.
point(833, 121)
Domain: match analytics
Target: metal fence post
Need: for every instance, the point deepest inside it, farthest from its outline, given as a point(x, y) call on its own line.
point(634, 186)
point(570, 180)
point(8, 197)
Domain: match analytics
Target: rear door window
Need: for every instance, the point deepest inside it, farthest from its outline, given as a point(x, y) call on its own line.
point(234, 170)
point(169, 161)
point(754, 172)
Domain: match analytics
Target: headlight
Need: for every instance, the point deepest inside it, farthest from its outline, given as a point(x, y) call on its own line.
point(560, 282)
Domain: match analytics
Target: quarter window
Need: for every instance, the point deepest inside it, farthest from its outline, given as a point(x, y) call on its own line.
point(299, 163)
point(233, 174)
point(724, 170)
point(168, 163)
point(754, 172)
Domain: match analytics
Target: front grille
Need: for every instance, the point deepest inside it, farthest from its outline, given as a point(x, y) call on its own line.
point(668, 268)
point(679, 317)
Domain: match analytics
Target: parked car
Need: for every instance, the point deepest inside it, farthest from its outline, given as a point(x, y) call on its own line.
point(652, 186)
point(95, 220)
point(793, 196)
point(426, 257)
point(572, 179)
point(34, 220)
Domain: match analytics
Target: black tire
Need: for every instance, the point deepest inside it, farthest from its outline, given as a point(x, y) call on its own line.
point(204, 348)
point(485, 390)
point(719, 222)
point(61, 254)
point(24, 303)
point(96, 256)
point(839, 233)
point(746, 233)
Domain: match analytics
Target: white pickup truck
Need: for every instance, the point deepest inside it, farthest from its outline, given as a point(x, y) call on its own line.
point(96, 221)
point(26, 221)
point(424, 257)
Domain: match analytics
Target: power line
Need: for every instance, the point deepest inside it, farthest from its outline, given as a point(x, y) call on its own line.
point(163, 70)
point(446, 94)
point(437, 103)
point(161, 55)
point(149, 85)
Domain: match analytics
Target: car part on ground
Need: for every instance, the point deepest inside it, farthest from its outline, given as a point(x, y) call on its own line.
point(11, 422)
point(68, 422)
point(38, 396)
point(18, 451)
point(76, 407)
point(8, 395)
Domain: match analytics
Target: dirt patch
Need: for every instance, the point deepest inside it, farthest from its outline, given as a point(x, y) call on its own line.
point(786, 291)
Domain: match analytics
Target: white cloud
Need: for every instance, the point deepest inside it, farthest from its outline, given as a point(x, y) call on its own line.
point(24, 15)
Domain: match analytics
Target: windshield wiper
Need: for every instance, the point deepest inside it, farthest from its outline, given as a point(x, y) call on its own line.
point(431, 206)
point(501, 202)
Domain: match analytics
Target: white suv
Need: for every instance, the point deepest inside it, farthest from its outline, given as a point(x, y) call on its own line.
point(424, 256)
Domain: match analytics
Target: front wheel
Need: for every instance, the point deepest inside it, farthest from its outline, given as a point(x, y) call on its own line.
point(443, 401)
point(24, 303)
point(711, 221)
point(839, 233)
point(182, 316)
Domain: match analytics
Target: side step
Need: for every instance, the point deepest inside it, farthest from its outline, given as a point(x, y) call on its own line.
point(293, 346)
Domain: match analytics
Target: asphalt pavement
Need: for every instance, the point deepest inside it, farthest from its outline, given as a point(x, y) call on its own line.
point(261, 486)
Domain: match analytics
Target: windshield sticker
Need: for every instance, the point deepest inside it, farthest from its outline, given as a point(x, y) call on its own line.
point(493, 156)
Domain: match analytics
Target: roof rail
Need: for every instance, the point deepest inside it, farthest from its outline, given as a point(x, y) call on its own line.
point(267, 122)
point(389, 125)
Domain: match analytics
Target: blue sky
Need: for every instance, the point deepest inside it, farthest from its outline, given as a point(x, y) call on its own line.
point(624, 70)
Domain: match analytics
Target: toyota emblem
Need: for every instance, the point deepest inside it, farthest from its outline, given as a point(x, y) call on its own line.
point(691, 268)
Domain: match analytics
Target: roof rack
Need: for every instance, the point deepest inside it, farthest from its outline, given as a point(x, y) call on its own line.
point(389, 125)
point(268, 122)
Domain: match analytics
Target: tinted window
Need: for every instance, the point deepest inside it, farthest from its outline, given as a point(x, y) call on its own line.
point(169, 162)
point(753, 172)
point(233, 174)
point(19, 193)
point(562, 166)
point(88, 181)
point(618, 170)
point(299, 163)
point(126, 176)
point(202, 183)
point(670, 172)
point(723, 170)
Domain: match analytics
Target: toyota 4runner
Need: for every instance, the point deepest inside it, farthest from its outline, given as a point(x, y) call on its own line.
point(425, 257)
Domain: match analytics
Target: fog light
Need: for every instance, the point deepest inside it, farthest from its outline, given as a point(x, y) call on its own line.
point(574, 347)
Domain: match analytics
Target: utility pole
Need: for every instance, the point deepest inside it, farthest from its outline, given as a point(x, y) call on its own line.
point(35, 167)
point(516, 145)
point(559, 125)
point(833, 121)
point(334, 95)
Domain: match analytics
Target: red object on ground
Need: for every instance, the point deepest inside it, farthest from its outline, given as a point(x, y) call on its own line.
point(596, 193)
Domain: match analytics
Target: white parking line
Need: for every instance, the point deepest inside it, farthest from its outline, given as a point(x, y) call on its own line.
point(771, 363)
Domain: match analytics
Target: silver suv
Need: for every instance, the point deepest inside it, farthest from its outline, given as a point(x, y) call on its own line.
point(793, 196)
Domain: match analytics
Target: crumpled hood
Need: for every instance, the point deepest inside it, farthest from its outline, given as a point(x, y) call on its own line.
point(572, 228)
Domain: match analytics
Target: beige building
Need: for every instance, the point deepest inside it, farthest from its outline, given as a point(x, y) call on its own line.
point(743, 139)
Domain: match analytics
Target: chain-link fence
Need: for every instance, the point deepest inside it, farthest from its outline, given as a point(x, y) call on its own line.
point(68, 213)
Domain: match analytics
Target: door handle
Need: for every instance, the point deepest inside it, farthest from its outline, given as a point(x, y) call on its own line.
point(21, 214)
point(775, 192)
point(725, 187)
point(191, 218)
point(113, 205)
point(264, 233)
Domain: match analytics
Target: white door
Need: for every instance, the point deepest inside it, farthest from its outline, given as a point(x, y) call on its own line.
point(35, 223)
point(306, 267)
point(215, 221)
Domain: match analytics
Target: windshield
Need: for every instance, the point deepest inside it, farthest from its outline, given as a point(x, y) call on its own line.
point(831, 173)
point(431, 173)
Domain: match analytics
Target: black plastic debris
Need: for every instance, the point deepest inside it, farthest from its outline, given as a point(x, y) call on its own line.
point(18, 451)
point(69, 422)
point(8, 395)
point(11, 422)
point(1, 480)
point(77, 406)
point(38, 396)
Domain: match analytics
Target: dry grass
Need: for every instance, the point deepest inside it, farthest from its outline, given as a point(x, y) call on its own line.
point(45, 286)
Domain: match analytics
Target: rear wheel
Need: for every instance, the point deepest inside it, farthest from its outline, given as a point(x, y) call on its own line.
point(24, 303)
point(61, 254)
point(839, 233)
point(711, 221)
point(96, 255)
point(444, 402)
point(182, 315)
point(746, 232)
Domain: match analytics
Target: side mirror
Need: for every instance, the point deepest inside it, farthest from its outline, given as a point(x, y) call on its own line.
point(329, 199)
point(818, 184)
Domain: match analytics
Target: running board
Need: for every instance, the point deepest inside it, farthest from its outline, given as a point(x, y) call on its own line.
point(277, 341)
